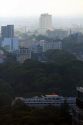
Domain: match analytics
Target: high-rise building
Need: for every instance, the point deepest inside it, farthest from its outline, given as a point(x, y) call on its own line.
point(8, 41)
point(7, 31)
point(3, 31)
point(10, 44)
point(45, 23)
point(10, 31)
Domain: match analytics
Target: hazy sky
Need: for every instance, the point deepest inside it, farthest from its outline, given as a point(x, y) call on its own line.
point(14, 8)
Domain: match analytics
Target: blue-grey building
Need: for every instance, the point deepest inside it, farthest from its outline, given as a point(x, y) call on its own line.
point(7, 31)
point(10, 44)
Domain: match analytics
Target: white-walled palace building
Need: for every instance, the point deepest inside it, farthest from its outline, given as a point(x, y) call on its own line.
point(47, 100)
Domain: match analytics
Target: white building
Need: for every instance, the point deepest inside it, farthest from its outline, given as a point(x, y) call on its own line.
point(53, 100)
point(23, 54)
point(45, 23)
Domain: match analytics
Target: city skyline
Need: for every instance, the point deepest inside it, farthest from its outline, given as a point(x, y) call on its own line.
point(26, 8)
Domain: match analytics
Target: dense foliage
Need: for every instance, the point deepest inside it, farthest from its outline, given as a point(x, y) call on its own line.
point(59, 56)
point(35, 78)
point(61, 74)
point(22, 115)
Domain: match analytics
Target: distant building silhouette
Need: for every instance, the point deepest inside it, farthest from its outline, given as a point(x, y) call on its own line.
point(7, 31)
point(8, 41)
point(45, 23)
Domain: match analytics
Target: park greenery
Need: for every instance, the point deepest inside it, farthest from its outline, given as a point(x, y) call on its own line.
point(61, 74)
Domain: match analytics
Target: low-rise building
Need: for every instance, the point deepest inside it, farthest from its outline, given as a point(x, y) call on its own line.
point(23, 54)
point(48, 45)
point(47, 100)
point(57, 34)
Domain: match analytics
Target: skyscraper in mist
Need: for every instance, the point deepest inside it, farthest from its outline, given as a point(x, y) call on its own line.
point(45, 23)
point(7, 31)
